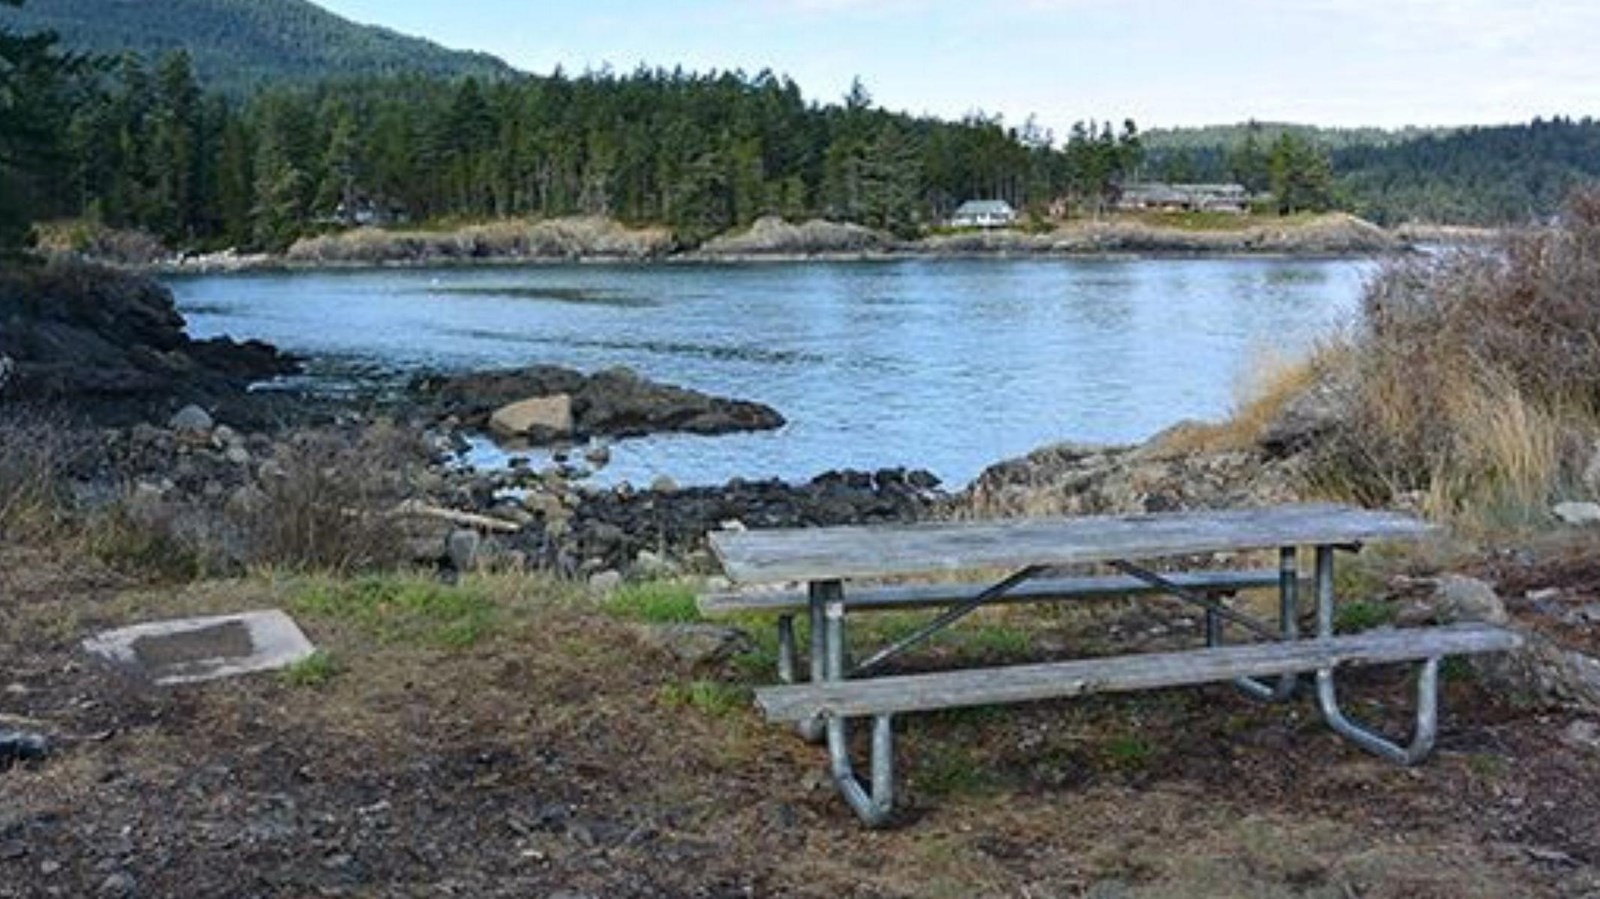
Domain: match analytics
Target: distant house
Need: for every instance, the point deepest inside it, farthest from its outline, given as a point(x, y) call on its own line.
point(984, 214)
point(1159, 196)
point(362, 212)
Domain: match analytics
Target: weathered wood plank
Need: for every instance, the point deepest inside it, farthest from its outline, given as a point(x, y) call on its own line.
point(809, 554)
point(922, 596)
point(1027, 683)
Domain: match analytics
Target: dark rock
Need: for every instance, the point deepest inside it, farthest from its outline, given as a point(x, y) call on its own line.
point(462, 546)
point(20, 746)
point(191, 418)
point(119, 883)
point(613, 526)
point(615, 402)
point(696, 644)
point(94, 335)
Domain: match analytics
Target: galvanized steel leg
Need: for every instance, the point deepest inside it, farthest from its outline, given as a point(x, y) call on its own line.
point(813, 731)
point(786, 649)
point(872, 803)
point(1427, 721)
point(1427, 726)
point(1288, 629)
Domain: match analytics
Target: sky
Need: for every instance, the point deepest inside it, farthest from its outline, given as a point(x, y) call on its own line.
point(1163, 63)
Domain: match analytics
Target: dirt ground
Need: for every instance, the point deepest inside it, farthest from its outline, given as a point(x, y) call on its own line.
point(560, 755)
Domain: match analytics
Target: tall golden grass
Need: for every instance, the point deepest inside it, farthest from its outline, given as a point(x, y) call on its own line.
point(1475, 379)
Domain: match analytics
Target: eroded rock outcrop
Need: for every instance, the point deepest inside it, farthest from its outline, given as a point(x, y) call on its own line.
point(614, 402)
point(74, 332)
point(1159, 476)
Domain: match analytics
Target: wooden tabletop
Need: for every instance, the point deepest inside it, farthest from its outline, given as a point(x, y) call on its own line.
point(838, 553)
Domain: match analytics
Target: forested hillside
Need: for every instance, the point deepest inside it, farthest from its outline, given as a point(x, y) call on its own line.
point(1162, 141)
point(240, 45)
point(699, 153)
point(1512, 174)
point(1504, 175)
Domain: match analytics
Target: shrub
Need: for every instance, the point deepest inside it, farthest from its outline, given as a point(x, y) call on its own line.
point(329, 505)
point(1476, 377)
point(33, 455)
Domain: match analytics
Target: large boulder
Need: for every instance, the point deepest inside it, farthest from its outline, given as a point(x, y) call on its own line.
point(1539, 671)
point(539, 419)
point(618, 402)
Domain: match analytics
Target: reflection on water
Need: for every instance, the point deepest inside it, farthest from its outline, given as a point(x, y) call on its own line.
point(554, 294)
point(949, 365)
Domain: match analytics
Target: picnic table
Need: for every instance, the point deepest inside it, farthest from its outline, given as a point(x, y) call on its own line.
point(1034, 553)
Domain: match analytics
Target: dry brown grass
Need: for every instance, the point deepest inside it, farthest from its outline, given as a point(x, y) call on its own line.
point(1476, 379)
point(1264, 392)
point(327, 507)
point(33, 457)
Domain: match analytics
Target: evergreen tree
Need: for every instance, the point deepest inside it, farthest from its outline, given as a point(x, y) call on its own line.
point(33, 118)
point(1302, 176)
point(174, 162)
point(1249, 163)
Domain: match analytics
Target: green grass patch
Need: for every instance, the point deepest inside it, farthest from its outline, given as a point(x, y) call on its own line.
point(144, 548)
point(655, 602)
point(403, 608)
point(1130, 752)
point(1362, 615)
point(713, 698)
point(1455, 669)
point(949, 768)
point(314, 670)
point(998, 641)
point(759, 665)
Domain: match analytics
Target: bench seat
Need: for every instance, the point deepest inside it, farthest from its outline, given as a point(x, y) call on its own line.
point(923, 596)
point(1024, 683)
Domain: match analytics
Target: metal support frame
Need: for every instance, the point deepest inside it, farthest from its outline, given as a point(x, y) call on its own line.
point(873, 800)
point(1427, 716)
point(1288, 629)
point(873, 803)
point(946, 618)
point(1195, 598)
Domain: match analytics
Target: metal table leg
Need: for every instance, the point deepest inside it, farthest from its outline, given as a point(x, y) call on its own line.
point(1427, 717)
point(873, 803)
point(813, 731)
point(1288, 628)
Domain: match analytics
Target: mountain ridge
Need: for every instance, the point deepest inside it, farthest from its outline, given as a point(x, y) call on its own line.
point(240, 45)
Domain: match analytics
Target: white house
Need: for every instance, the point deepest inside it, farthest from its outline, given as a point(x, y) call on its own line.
point(984, 214)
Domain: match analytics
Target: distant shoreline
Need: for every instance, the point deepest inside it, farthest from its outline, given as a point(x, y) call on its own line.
point(605, 242)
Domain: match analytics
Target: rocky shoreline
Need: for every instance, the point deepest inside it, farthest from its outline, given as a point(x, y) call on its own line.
point(97, 370)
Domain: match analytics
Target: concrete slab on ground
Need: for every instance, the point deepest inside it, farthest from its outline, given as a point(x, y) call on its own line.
point(191, 650)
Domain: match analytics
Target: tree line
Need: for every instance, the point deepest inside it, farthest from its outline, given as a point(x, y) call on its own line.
point(1495, 176)
point(144, 147)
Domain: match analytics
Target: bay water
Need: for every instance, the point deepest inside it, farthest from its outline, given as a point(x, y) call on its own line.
point(948, 365)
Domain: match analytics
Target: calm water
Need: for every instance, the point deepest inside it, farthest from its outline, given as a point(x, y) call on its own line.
point(945, 365)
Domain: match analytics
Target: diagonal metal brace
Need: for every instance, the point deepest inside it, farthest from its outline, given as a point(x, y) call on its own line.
point(951, 616)
point(1194, 598)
